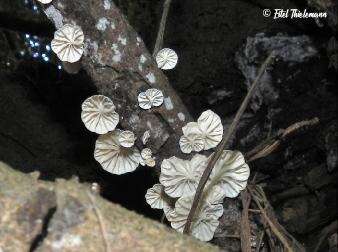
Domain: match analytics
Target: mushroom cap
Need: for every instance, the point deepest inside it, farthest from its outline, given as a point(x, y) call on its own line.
point(169, 212)
point(205, 221)
point(113, 157)
point(166, 59)
point(211, 127)
point(146, 153)
point(45, 1)
point(150, 98)
point(180, 177)
point(150, 162)
point(127, 139)
point(147, 158)
point(68, 43)
point(230, 173)
point(145, 137)
point(154, 197)
point(192, 139)
point(98, 114)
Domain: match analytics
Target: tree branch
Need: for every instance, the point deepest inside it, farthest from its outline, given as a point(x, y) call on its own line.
point(121, 67)
point(161, 29)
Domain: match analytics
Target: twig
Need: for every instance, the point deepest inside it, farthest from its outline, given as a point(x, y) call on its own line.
point(270, 145)
point(245, 224)
point(259, 244)
point(254, 211)
point(330, 229)
point(18, 143)
point(273, 228)
point(101, 222)
point(160, 34)
point(223, 143)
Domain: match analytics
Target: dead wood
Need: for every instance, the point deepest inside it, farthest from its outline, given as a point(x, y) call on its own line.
point(120, 67)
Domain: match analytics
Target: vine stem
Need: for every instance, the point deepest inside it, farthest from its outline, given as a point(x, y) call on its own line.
point(222, 145)
point(160, 34)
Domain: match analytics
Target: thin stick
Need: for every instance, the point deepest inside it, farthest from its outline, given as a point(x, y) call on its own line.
point(245, 223)
point(160, 34)
point(270, 145)
point(258, 247)
point(223, 143)
point(273, 228)
point(101, 222)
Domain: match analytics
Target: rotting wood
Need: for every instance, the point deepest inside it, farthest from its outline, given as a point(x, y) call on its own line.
point(120, 67)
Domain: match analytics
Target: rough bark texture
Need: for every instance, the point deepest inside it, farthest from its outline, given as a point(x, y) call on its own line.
point(220, 45)
point(120, 67)
point(63, 216)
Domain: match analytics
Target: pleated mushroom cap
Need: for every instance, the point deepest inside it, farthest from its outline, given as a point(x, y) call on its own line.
point(166, 59)
point(98, 114)
point(68, 43)
point(150, 98)
point(113, 157)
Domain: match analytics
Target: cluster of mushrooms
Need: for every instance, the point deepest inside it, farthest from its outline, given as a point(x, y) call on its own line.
point(115, 150)
point(179, 179)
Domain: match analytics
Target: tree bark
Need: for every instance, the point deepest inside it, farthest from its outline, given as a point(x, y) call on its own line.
point(121, 67)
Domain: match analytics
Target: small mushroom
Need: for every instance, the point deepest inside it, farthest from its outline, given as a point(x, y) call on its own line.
point(150, 98)
point(147, 158)
point(145, 137)
point(98, 114)
point(68, 43)
point(45, 1)
point(127, 139)
point(150, 162)
point(211, 127)
point(205, 221)
point(230, 173)
point(155, 197)
point(181, 177)
point(113, 157)
point(166, 59)
point(192, 139)
point(146, 153)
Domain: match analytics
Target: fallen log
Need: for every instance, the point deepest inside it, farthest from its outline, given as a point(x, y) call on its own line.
point(121, 67)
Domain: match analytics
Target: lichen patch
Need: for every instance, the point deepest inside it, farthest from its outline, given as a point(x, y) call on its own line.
point(102, 24)
point(106, 4)
point(151, 77)
point(168, 103)
point(55, 15)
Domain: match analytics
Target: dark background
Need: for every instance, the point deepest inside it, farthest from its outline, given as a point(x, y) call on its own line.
point(41, 129)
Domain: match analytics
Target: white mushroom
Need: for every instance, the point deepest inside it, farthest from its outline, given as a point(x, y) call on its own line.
point(150, 162)
point(169, 212)
point(150, 98)
point(166, 59)
point(230, 173)
point(113, 157)
point(146, 153)
point(212, 129)
point(68, 43)
point(98, 114)
point(127, 139)
point(45, 1)
point(145, 137)
point(192, 139)
point(180, 177)
point(205, 221)
point(155, 197)
point(147, 158)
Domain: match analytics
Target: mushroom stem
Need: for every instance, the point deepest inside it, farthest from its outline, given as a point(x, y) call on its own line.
point(72, 68)
point(223, 143)
point(159, 39)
